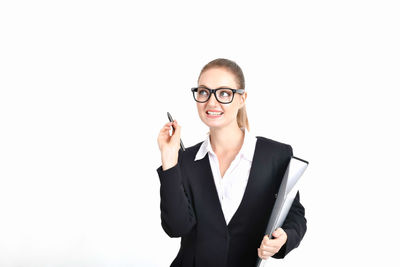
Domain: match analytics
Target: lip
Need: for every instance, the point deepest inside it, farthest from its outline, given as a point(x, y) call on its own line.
point(213, 116)
point(214, 110)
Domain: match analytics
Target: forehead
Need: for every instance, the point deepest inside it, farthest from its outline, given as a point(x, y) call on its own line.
point(217, 77)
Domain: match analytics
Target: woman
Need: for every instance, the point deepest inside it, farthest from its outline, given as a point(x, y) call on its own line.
point(218, 195)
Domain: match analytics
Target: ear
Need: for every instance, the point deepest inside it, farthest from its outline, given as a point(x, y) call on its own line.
point(243, 98)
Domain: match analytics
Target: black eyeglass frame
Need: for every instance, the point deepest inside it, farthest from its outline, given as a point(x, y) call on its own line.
point(214, 91)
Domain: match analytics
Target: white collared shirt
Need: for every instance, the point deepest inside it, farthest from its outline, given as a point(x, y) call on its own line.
point(231, 186)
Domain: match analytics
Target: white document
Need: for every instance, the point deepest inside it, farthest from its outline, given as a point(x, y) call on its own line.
point(286, 195)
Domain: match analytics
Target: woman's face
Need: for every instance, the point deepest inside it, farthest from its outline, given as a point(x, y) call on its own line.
point(216, 78)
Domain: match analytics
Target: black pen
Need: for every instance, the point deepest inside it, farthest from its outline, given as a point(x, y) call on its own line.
point(171, 120)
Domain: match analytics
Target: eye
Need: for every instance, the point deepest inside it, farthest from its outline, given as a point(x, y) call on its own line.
point(225, 93)
point(202, 91)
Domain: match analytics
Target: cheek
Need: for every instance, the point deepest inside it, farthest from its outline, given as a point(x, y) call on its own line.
point(232, 108)
point(236, 105)
point(200, 107)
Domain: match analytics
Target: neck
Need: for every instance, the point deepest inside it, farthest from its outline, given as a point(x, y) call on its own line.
point(226, 140)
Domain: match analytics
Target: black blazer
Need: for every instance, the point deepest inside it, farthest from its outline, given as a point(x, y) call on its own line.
point(190, 209)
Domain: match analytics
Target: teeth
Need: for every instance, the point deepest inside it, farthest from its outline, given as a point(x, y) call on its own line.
point(214, 113)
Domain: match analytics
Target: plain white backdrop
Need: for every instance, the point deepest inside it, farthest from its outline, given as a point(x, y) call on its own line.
point(85, 87)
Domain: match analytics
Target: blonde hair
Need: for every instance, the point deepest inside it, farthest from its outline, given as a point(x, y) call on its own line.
point(241, 118)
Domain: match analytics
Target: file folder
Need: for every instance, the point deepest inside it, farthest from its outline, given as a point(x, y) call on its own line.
point(287, 192)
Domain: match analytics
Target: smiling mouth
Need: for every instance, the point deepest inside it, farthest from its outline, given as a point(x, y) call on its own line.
point(214, 113)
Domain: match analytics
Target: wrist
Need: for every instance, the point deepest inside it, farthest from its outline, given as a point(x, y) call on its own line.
point(169, 159)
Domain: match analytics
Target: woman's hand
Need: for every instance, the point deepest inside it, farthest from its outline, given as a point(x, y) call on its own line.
point(270, 247)
point(169, 145)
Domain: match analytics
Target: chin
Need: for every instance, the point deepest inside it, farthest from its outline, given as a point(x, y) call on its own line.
point(214, 124)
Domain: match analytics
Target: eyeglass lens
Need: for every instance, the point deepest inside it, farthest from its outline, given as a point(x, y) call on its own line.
point(223, 95)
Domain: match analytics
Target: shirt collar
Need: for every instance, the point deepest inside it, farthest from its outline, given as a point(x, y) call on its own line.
point(247, 150)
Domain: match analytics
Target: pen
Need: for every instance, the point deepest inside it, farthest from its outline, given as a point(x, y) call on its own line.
point(171, 120)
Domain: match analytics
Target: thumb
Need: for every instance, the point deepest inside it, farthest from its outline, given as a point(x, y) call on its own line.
point(278, 232)
point(177, 131)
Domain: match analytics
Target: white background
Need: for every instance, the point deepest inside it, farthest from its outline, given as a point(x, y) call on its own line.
point(85, 86)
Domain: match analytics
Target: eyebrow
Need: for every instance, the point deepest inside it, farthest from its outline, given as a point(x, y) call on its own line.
point(224, 86)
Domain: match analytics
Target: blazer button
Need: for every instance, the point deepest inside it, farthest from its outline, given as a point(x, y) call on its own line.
point(276, 195)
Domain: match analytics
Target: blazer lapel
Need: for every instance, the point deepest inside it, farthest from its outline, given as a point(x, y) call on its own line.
point(256, 184)
point(259, 182)
point(205, 184)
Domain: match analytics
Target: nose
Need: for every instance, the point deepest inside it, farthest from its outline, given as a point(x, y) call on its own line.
point(212, 100)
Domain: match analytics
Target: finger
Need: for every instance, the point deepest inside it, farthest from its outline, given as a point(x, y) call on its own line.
point(268, 247)
point(271, 248)
point(264, 257)
point(273, 245)
point(278, 232)
point(264, 254)
point(265, 240)
point(177, 130)
point(168, 124)
point(165, 129)
point(275, 242)
point(261, 254)
point(174, 124)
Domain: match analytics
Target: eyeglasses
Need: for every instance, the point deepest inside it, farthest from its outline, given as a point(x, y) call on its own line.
point(223, 95)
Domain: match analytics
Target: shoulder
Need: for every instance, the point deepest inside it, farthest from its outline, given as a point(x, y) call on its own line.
point(274, 146)
point(190, 152)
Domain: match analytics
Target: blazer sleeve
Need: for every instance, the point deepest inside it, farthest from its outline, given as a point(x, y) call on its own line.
point(177, 215)
point(295, 225)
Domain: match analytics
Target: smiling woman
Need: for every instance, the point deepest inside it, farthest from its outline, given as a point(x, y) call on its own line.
point(218, 195)
point(223, 73)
